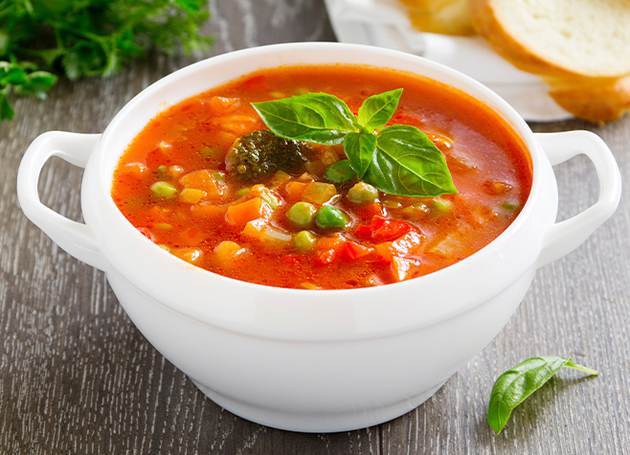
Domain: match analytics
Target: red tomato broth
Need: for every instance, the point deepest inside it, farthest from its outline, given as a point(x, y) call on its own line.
point(488, 162)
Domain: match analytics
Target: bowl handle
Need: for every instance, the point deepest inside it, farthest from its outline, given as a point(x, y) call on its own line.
point(76, 238)
point(564, 236)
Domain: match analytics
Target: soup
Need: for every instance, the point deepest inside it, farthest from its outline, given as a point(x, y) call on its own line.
point(195, 182)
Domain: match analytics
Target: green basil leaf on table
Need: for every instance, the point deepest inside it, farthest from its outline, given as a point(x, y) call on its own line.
point(313, 117)
point(360, 149)
point(376, 111)
point(408, 163)
point(518, 383)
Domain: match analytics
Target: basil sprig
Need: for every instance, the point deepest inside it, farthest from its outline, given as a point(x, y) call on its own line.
point(518, 383)
point(396, 159)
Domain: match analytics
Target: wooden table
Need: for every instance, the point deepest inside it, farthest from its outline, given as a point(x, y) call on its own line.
point(77, 377)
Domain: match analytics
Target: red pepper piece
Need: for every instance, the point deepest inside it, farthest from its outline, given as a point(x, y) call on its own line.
point(355, 250)
point(382, 230)
point(367, 212)
point(390, 230)
point(363, 232)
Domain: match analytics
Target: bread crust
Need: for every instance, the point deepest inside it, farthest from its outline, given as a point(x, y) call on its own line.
point(487, 24)
point(595, 100)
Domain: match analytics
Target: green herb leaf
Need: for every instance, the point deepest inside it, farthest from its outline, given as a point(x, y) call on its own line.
point(376, 111)
point(90, 37)
point(408, 163)
point(518, 383)
point(340, 172)
point(313, 117)
point(20, 79)
point(399, 159)
point(360, 149)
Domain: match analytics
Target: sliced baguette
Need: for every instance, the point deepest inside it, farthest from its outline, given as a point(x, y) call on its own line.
point(450, 17)
point(580, 47)
point(570, 37)
point(594, 100)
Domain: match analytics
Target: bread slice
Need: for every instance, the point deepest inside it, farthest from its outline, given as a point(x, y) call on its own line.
point(558, 38)
point(595, 100)
point(449, 17)
point(581, 48)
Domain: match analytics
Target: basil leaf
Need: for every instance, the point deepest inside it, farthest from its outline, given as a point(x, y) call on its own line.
point(360, 148)
point(516, 384)
point(376, 111)
point(340, 172)
point(313, 117)
point(408, 163)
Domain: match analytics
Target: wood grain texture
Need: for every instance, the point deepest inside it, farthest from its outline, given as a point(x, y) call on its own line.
point(77, 377)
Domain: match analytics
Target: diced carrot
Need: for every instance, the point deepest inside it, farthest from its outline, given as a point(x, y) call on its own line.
point(191, 255)
point(404, 268)
point(254, 229)
point(385, 251)
point(329, 249)
point(228, 251)
point(205, 180)
point(243, 212)
point(191, 195)
point(293, 190)
point(267, 195)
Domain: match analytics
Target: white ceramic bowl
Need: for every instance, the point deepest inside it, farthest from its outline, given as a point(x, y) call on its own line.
point(312, 360)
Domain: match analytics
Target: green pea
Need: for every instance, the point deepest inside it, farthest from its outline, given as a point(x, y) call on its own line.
point(362, 193)
point(304, 241)
point(302, 214)
point(329, 217)
point(164, 189)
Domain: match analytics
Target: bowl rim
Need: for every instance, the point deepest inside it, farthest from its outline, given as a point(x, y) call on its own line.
point(305, 298)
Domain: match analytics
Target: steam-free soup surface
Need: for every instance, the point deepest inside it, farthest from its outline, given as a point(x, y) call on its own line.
point(296, 229)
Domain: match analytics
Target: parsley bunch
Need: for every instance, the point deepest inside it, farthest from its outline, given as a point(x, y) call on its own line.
point(43, 39)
